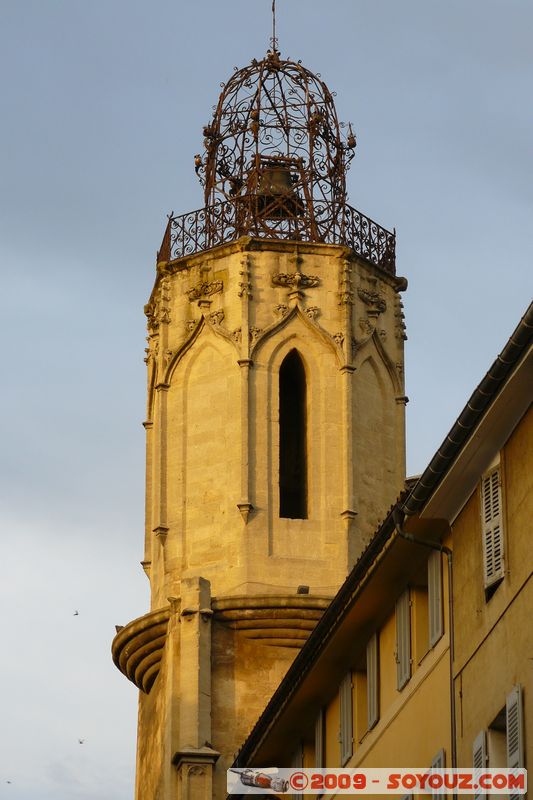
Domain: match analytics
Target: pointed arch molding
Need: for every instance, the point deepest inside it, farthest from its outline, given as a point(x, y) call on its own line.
point(204, 323)
point(384, 357)
point(311, 324)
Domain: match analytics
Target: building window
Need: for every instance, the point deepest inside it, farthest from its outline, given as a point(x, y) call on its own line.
point(502, 745)
point(479, 756)
point(492, 530)
point(372, 681)
point(403, 639)
point(346, 719)
point(514, 731)
point(419, 623)
point(439, 762)
point(435, 598)
point(292, 438)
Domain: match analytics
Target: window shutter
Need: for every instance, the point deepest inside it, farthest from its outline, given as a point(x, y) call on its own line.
point(479, 756)
point(319, 740)
point(403, 639)
point(435, 598)
point(372, 681)
point(346, 713)
point(515, 744)
point(439, 762)
point(515, 736)
point(491, 515)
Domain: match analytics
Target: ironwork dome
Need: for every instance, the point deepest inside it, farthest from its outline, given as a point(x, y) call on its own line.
point(275, 148)
point(274, 166)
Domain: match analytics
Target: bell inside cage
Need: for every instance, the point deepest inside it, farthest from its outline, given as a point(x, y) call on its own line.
point(273, 182)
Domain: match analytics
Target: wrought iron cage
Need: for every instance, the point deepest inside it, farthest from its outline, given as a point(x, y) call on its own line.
point(274, 166)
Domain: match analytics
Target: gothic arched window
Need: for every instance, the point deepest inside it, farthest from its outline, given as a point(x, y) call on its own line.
point(292, 438)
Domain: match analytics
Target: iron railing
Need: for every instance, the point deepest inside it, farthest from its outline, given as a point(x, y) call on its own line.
point(228, 220)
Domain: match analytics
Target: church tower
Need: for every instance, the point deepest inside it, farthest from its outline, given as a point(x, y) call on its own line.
point(274, 424)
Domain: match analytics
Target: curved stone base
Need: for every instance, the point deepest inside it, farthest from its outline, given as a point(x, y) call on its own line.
point(275, 620)
point(137, 648)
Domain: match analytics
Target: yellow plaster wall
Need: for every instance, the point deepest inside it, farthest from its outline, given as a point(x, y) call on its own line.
point(494, 637)
point(475, 616)
point(414, 728)
point(500, 662)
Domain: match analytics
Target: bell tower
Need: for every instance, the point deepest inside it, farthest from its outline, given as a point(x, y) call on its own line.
point(274, 424)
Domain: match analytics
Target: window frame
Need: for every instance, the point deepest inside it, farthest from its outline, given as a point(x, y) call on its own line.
point(403, 639)
point(346, 718)
point(435, 598)
point(372, 681)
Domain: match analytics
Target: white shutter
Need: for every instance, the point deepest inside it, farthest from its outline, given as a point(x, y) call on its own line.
point(491, 517)
point(319, 740)
point(439, 762)
point(372, 681)
point(403, 640)
point(346, 714)
point(479, 756)
point(513, 713)
point(435, 597)
point(514, 728)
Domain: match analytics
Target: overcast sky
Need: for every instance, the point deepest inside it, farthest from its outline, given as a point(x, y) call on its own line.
point(102, 108)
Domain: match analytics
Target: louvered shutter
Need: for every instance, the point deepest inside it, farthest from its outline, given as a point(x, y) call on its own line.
point(513, 713)
point(372, 681)
point(403, 639)
point(491, 514)
point(319, 740)
point(515, 736)
point(439, 762)
point(479, 756)
point(346, 714)
point(435, 598)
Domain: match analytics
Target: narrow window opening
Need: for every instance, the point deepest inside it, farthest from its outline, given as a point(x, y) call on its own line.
point(292, 438)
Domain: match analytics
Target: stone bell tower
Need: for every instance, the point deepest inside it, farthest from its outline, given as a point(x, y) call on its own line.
point(274, 425)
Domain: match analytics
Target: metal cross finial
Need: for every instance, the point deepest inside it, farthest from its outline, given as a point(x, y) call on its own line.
point(274, 40)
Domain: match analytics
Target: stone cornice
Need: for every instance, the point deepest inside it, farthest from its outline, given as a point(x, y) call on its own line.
point(247, 244)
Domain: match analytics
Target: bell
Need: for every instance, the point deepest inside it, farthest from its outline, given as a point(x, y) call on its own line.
point(275, 180)
point(276, 195)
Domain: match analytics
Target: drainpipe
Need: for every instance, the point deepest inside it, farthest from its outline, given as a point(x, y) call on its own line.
point(398, 516)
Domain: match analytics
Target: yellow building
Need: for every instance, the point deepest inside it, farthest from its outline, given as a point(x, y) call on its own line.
point(275, 368)
point(380, 682)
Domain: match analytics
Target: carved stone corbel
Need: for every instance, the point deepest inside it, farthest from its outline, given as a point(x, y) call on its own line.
point(203, 290)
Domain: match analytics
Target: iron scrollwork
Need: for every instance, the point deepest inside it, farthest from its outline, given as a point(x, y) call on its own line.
point(274, 166)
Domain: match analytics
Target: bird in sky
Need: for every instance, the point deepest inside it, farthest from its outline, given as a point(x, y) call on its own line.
point(76, 614)
point(81, 741)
